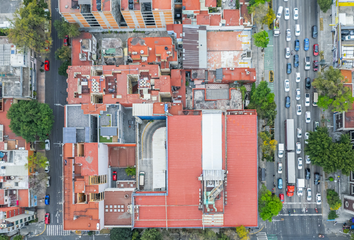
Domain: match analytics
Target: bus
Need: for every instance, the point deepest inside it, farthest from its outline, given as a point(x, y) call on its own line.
point(315, 99)
point(289, 135)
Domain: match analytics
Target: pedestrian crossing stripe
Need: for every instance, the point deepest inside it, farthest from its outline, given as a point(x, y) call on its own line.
point(56, 230)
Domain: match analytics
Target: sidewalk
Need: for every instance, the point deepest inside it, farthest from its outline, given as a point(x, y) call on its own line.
point(40, 80)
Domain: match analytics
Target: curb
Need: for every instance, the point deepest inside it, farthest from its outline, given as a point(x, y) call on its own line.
point(45, 227)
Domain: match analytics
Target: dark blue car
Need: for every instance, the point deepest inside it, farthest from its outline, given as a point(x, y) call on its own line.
point(288, 68)
point(287, 101)
point(297, 45)
point(46, 200)
point(296, 61)
point(280, 183)
point(306, 44)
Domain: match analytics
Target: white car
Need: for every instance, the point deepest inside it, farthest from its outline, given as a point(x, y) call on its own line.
point(299, 191)
point(298, 95)
point(298, 148)
point(280, 167)
point(286, 14)
point(297, 30)
point(309, 194)
point(318, 199)
point(298, 109)
point(287, 53)
point(47, 168)
point(299, 132)
point(299, 163)
point(47, 145)
point(296, 13)
point(308, 160)
point(307, 134)
point(308, 116)
point(48, 181)
point(288, 35)
point(307, 100)
point(297, 77)
point(287, 85)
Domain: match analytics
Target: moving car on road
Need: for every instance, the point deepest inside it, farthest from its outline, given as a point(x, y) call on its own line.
point(298, 109)
point(288, 68)
point(296, 13)
point(280, 167)
point(307, 99)
point(297, 79)
point(287, 101)
point(314, 31)
point(47, 218)
point(298, 148)
point(286, 13)
point(318, 199)
point(280, 183)
point(316, 125)
point(317, 178)
point(309, 194)
point(315, 49)
point(296, 61)
point(307, 173)
point(288, 35)
point(287, 85)
point(299, 163)
point(281, 197)
point(299, 132)
point(307, 63)
point(287, 53)
point(280, 12)
point(297, 45)
point(307, 134)
point(308, 116)
point(308, 83)
point(306, 44)
point(298, 95)
point(308, 160)
point(297, 30)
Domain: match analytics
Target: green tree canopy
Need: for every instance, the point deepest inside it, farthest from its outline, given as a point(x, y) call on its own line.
point(332, 215)
point(130, 171)
point(333, 93)
point(263, 101)
point(31, 120)
point(36, 161)
point(151, 234)
point(63, 67)
point(333, 199)
point(3, 237)
point(269, 205)
point(261, 39)
point(260, 13)
point(64, 28)
point(332, 156)
point(325, 5)
point(28, 28)
point(63, 53)
point(268, 145)
point(121, 234)
point(242, 232)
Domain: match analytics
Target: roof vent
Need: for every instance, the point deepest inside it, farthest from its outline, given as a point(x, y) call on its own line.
point(166, 48)
point(141, 51)
point(66, 6)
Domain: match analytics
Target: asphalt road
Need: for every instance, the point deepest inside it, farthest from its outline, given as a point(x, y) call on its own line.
point(299, 226)
point(55, 92)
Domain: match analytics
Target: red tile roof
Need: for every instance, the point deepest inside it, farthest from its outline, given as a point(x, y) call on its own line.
point(76, 49)
point(191, 4)
point(161, 5)
point(2, 195)
point(203, 19)
point(177, 29)
point(239, 74)
point(241, 208)
point(176, 77)
point(232, 17)
point(215, 20)
point(23, 200)
point(210, 3)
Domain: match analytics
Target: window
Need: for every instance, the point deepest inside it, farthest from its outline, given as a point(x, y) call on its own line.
point(21, 221)
point(16, 184)
point(16, 223)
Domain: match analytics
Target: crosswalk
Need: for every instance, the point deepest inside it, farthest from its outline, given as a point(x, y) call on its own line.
point(56, 230)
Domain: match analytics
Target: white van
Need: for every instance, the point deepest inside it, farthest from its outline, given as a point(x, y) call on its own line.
point(142, 178)
point(297, 30)
point(280, 11)
point(315, 99)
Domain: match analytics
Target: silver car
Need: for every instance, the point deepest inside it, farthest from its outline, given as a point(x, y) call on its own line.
point(287, 52)
point(298, 94)
point(287, 85)
point(307, 134)
point(308, 160)
point(307, 100)
point(298, 109)
point(288, 35)
point(286, 13)
point(309, 194)
point(296, 13)
point(298, 148)
point(299, 163)
point(308, 117)
point(299, 132)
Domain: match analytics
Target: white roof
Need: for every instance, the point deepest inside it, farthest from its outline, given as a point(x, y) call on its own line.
point(143, 109)
point(212, 140)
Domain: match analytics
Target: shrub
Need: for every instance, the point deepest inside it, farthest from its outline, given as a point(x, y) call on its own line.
point(332, 215)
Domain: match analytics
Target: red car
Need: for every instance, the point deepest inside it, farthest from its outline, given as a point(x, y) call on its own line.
point(47, 218)
point(315, 65)
point(281, 196)
point(66, 40)
point(46, 65)
point(114, 176)
point(315, 50)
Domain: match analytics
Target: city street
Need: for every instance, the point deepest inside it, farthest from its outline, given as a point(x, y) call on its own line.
point(55, 93)
point(295, 225)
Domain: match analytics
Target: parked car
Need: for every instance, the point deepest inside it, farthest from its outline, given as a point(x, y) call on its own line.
point(297, 45)
point(287, 101)
point(47, 218)
point(281, 197)
point(288, 35)
point(298, 95)
point(47, 167)
point(287, 85)
point(297, 79)
point(48, 181)
point(46, 200)
point(296, 13)
point(296, 61)
point(314, 31)
point(299, 132)
point(298, 148)
point(299, 163)
point(66, 40)
point(307, 173)
point(280, 183)
point(114, 176)
point(308, 116)
point(315, 65)
point(308, 160)
point(318, 199)
point(47, 145)
point(306, 44)
point(288, 68)
point(307, 99)
point(349, 37)
point(46, 65)
point(317, 178)
point(309, 194)
point(316, 125)
point(315, 49)
point(308, 83)
point(298, 109)
point(280, 167)
point(307, 134)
